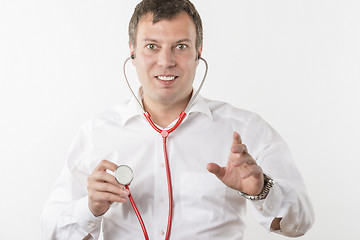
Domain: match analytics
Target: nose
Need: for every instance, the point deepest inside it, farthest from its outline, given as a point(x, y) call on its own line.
point(166, 58)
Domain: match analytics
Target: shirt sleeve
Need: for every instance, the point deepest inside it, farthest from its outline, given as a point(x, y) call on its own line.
point(66, 214)
point(288, 198)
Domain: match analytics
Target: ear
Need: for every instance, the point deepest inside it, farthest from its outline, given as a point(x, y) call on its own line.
point(132, 53)
point(198, 52)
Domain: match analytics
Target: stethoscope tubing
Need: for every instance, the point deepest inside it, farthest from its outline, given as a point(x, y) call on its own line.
point(164, 134)
point(138, 214)
point(192, 100)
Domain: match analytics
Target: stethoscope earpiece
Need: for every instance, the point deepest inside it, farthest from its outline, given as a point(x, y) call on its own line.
point(132, 56)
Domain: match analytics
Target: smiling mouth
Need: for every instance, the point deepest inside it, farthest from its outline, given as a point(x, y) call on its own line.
point(166, 78)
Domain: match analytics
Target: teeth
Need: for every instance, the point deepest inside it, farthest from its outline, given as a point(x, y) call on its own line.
point(165, 78)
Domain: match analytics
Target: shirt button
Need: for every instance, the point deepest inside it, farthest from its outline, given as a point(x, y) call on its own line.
point(162, 165)
point(162, 233)
point(161, 199)
point(92, 225)
point(260, 208)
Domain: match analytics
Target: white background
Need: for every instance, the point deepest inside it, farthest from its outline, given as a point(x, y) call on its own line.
point(296, 63)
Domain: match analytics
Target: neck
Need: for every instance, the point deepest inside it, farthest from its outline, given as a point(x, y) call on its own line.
point(164, 114)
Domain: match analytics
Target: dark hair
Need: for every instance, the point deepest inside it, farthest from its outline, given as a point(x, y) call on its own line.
point(165, 9)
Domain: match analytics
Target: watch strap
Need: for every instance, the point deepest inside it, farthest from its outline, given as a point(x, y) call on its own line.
point(268, 184)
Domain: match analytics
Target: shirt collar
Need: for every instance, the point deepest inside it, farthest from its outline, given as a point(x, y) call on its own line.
point(133, 108)
point(200, 106)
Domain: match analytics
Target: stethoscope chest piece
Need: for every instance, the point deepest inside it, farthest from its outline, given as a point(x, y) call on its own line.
point(124, 175)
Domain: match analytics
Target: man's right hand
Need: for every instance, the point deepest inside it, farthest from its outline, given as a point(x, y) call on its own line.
point(103, 189)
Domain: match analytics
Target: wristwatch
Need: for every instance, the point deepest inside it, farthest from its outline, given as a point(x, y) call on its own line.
point(268, 184)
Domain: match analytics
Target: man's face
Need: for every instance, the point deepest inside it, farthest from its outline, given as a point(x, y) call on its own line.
point(165, 59)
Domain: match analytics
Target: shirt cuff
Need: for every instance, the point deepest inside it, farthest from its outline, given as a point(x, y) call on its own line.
point(269, 208)
point(86, 220)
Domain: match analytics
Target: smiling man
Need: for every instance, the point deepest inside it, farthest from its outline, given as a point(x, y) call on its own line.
point(208, 173)
point(166, 61)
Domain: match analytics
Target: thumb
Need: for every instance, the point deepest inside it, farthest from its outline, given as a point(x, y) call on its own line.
point(216, 169)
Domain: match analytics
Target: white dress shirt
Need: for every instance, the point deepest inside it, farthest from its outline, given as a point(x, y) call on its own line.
point(203, 207)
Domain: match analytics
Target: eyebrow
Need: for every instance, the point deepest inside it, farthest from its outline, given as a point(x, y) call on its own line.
point(184, 40)
point(149, 40)
point(179, 41)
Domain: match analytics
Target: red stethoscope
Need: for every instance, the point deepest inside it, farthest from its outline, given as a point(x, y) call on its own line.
point(124, 173)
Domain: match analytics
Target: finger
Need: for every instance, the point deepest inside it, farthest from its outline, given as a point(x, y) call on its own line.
point(236, 138)
point(239, 148)
point(216, 169)
point(109, 188)
point(103, 177)
point(106, 197)
point(243, 159)
point(104, 165)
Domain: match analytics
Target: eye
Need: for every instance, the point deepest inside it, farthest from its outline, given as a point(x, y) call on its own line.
point(151, 46)
point(181, 46)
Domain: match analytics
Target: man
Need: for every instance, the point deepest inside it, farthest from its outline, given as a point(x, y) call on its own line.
point(213, 172)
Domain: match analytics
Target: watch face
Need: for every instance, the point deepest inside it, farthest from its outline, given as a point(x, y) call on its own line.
point(124, 175)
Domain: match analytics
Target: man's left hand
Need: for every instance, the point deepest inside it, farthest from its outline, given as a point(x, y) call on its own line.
point(241, 172)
